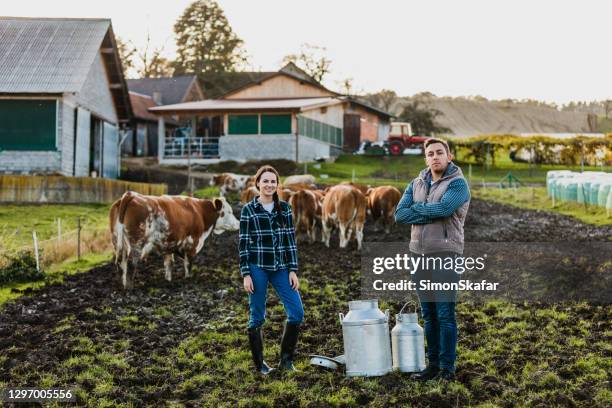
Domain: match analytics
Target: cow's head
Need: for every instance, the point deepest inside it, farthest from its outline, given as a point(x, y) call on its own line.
point(215, 180)
point(226, 220)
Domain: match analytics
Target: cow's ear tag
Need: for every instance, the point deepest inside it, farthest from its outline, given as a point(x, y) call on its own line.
point(218, 204)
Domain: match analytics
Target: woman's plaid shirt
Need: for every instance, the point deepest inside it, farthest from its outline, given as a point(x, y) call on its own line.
point(263, 241)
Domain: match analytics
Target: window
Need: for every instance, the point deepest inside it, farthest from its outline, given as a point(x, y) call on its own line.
point(27, 124)
point(243, 125)
point(275, 124)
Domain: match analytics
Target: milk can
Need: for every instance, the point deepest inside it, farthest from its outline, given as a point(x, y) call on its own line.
point(408, 343)
point(365, 331)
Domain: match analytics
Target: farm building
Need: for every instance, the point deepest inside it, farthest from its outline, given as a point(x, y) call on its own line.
point(149, 92)
point(63, 97)
point(278, 115)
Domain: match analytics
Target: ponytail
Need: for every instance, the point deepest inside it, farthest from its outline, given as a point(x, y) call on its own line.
point(277, 207)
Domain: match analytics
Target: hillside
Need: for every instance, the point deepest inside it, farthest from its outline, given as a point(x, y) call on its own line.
point(468, 117)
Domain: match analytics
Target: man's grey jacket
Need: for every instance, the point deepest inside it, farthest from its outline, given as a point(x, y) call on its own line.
point(436, 211)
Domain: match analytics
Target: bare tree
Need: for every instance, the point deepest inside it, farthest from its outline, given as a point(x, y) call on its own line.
point(383, 99)
point(127, 52)
point(151, 62)
point(312, 59)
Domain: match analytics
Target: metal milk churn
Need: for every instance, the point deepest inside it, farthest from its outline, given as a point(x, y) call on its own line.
point(365, 330)
point(408, 342)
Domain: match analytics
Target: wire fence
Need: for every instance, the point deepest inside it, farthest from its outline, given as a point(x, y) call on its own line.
point(84, 239)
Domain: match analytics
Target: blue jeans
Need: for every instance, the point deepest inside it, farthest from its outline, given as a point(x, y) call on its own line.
point(280, 282)
point(438, 309)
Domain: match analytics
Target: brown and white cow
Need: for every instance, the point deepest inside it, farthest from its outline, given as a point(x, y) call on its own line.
point(299, 179)
point(167, 225)
point(344, 206)
point(248, 194)
point(361, 187)
point(229, 182)
point(381, 203)
point(304, 204)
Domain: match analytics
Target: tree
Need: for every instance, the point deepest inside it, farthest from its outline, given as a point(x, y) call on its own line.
point(422, 118)
point(607, 105)
point(346, 86)
point(384, 99)
point(127, 51)
point(151, 63)
point(311, 59)
point(205, 41)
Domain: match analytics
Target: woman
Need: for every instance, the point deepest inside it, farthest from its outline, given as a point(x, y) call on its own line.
point(268, 254)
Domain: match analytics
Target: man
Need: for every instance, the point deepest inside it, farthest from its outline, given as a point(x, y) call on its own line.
point(436, 204)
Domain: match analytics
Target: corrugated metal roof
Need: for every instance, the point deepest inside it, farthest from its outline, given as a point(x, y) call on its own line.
point(217, 105)
point(48, 55)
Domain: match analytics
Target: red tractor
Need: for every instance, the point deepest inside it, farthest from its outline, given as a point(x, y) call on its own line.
point(401, 138)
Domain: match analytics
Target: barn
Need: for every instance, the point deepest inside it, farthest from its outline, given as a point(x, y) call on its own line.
point(146, 93)
point(63, 97)
point(279, 115)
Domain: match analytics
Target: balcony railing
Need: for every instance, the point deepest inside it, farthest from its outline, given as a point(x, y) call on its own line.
point(199, 147)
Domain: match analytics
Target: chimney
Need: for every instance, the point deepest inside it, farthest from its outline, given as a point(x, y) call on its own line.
point(157, 97)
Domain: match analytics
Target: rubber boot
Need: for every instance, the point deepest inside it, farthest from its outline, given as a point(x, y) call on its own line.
point(428, 374)
point(256, 343)
point(288, 343)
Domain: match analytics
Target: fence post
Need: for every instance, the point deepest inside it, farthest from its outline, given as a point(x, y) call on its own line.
point(305, 168)
point(353, 176)
point(36, 251)
point(78, 238)
point(59, 230)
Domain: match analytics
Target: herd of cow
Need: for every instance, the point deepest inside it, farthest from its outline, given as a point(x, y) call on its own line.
point(179, 225)
point(343, 206)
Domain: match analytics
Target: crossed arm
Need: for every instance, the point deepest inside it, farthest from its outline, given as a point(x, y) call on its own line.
point(409, 212)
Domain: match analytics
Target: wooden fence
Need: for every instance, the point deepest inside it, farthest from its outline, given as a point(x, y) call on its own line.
point(69, 190)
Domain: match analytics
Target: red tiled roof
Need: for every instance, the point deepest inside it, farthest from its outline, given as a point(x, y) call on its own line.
point(141, 105)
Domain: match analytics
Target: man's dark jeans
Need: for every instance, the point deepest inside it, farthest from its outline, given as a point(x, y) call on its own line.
point(438, 309)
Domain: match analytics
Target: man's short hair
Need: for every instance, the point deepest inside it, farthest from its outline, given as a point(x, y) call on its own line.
point(433, 140)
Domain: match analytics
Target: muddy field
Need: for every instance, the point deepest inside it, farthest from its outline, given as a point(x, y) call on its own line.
point(184, 342)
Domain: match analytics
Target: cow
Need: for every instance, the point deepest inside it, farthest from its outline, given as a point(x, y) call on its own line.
point(168, 225)
point(298, 186)
point(344, 206)
point(229, 182)
point(304, 204)
point(381, 204)
point(284, 194)
point(299, 179)
point(361, 187)
point(248, 194)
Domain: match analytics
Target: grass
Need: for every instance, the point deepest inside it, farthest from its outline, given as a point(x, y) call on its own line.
point(400, 170)
point(54, 274)
point(58, 258)
point(536, 198)
point(18, 222)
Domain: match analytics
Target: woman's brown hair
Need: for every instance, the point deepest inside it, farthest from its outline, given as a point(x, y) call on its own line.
point(267, 168)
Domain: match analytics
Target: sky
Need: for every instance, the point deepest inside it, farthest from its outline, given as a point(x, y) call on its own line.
point(555, 51)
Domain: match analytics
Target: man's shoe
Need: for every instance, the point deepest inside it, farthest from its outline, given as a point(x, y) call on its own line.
point(256, 344)
point(288, 343)
point(445, 375)
point(429, 373)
